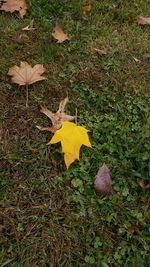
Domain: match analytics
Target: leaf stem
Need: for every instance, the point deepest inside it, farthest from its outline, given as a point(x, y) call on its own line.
point(27, 96)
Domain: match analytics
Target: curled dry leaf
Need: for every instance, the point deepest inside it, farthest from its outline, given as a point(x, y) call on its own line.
point(15, 5)
point(133, 228)
point(102, 182)
point(143, 21)
point(144, 184)
point(59, 35)
point(25, 74)
point(56, 118)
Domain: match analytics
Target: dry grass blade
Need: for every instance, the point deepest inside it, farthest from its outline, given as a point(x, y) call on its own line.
point(29, 27)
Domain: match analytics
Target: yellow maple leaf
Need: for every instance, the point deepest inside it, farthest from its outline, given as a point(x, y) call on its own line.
point(72, 137)
point(69, 158)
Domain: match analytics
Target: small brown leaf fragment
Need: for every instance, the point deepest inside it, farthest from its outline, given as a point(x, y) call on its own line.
point(102, 182)
point(133, 229)
point(87, 7)
point(20, 38)
point(144, 184)
point(25, 74)
point(14, 5)
point(56, 118)
point(59, 35)
point(86, 11)
point(143, 21)
point(98, 51)
point(146, 56)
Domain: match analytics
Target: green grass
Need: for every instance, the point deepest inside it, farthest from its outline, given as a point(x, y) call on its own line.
point(50, 216)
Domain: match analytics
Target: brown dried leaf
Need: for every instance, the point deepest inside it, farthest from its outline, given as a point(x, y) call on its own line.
point(86, 11)
point(25, 74)
point(133, 229)
point(143, 21)
point(87, 8)
point(20, 38)
point(102, 182)
point(144, 184)
point(15, 5)
point(146, 56)
point(57, 117)
point(98, 51)
point(59, 35)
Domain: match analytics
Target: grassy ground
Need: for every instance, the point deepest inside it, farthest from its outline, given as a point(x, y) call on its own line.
point(49, 216)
